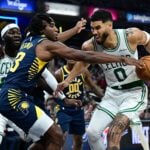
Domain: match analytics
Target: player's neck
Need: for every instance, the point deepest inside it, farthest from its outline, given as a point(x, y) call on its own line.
point(10, 52)
point(111, 41)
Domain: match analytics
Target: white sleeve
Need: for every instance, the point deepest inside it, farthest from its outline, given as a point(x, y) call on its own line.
point(51, 81)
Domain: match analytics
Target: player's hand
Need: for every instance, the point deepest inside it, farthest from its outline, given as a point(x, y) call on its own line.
point(73, 102)
point(81, 25)
point(135, 62)
point(60, 87)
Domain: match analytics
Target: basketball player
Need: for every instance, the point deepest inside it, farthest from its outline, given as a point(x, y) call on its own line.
point(38, 91)
point(71, 118)
point(11, 40)
point(35, 52)
point(10, 45)
point(126, 95)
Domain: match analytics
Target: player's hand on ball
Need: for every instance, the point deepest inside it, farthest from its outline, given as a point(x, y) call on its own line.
point(132, 61)
point(144, 73)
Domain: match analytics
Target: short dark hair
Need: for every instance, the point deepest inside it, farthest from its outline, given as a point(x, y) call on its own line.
point(101, 15)
point(36, 23)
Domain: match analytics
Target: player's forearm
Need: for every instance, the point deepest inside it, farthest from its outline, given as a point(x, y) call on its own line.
point(91, 56)
point(86, 56)
point(77, 70)
point(98, 57)
point(67, 34)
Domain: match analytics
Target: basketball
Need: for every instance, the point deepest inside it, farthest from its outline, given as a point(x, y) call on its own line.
point(144, 73)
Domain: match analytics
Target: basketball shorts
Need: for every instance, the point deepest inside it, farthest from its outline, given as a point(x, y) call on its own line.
point(130, 102)
point(71, 120)
point(17, 107)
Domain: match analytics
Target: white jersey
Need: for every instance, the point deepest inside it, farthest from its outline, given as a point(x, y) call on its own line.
point(5, 63)
point(118, 74)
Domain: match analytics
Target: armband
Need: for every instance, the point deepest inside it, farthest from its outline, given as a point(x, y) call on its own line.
point(61, 96)
point(52, 82)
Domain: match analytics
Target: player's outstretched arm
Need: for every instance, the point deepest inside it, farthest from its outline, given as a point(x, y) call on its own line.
point(77, 69)
point(80, 25)
point(59, 49)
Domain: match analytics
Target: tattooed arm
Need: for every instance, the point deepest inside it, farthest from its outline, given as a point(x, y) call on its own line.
point(137, 37)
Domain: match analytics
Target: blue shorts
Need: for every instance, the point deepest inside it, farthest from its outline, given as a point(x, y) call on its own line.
point(39, 101)
point(72, 120)
point(17, 107)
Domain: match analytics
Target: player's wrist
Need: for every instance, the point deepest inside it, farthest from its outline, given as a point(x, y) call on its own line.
point(75, 29)
point(122, 59)
point(67, 81)
point(65, 100)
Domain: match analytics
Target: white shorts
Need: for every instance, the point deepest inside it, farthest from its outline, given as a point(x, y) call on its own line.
point(129, 102)
point(40, 127)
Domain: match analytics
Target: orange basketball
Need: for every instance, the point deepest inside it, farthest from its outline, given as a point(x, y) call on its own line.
point(144, 73)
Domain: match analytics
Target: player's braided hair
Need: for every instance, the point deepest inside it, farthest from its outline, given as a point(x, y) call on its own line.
point(36, 24)
point(101, 15)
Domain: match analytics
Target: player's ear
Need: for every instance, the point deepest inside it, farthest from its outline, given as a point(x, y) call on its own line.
point(109, 24)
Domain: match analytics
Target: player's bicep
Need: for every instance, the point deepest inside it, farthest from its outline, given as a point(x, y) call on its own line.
point(142, 37)
point(136, 36)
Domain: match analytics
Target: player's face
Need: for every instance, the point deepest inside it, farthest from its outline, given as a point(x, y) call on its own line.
point(50, 31)
point(100, 31)
point(13, 36)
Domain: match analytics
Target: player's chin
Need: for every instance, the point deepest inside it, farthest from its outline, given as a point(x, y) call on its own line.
point(55, 38)
point(17, 43)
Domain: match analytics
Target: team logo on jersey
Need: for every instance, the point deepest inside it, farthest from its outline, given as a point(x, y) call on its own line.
point(23, 107)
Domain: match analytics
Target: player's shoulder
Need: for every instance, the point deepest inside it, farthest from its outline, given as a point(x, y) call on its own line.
point(88, 45)
point(133, 34)
point(132, 31)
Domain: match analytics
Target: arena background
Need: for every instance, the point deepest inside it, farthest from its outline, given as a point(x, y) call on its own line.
point(126, 13)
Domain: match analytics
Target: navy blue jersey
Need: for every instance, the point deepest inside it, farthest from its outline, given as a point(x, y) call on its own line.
point(75, 88)
point(27, 67)
point(16, 104)
point(71, 118)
